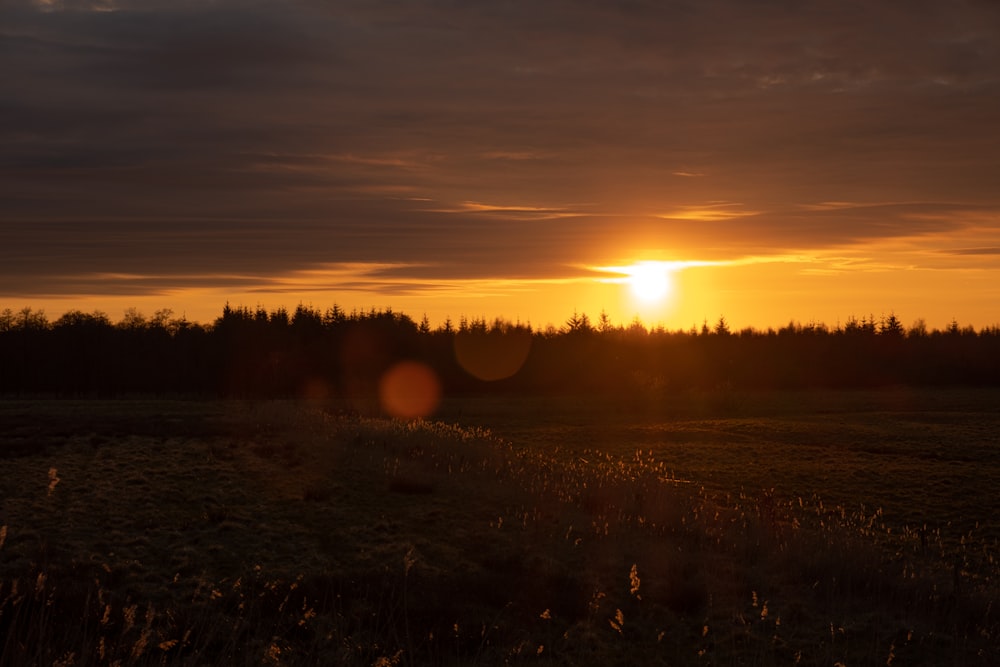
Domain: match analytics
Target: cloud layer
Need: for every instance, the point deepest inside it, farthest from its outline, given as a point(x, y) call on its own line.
point(230, 142)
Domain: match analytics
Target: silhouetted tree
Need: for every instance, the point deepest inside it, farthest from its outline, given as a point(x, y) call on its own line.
point(254, 352)
point(579, 323)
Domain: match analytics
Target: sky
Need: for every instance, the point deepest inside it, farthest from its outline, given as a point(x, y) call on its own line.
point(785, 160)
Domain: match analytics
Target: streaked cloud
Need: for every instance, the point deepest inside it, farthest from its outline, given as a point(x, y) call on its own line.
point(712, 211)
point(519, 210)
point(973, 251)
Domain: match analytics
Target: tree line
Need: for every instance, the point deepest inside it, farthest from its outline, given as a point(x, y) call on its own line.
point(256, 352)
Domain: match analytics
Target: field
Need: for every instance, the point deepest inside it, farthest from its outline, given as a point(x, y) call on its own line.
point(720, 528)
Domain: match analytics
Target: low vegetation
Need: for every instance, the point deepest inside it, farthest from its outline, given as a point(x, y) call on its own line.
point(572, 532)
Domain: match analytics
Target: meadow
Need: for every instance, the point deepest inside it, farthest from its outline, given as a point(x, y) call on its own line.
point(702, 528)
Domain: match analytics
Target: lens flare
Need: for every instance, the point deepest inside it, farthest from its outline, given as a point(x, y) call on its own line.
point(409, 390)
point(492, 356)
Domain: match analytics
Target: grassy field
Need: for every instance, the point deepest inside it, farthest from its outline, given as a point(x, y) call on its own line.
point(819, 528)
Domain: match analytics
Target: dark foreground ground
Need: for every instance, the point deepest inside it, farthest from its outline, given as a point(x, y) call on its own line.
point(718, 529)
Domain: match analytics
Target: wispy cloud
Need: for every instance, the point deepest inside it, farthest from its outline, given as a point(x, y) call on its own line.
point(709, 212)
point(519, 210)
point(994, 250)
point(516, 156)
point(626, 272)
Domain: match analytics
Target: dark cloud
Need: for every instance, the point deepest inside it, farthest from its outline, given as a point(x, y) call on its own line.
point(192, 141)
point(973, 251)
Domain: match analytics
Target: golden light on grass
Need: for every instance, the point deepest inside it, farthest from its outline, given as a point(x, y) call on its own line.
point(53, 479)
point(266, 567)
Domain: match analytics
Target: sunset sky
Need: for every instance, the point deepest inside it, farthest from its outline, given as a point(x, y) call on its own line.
point(786, 160)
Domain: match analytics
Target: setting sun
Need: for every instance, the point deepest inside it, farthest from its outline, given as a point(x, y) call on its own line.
point(650, 281)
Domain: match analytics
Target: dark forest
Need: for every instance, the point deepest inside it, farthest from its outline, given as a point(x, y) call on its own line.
point(257, 353)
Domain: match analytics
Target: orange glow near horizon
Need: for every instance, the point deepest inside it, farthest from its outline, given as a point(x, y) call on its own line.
point(759, 292)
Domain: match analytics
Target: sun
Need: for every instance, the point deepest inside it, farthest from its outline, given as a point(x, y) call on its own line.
point(650, 282)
